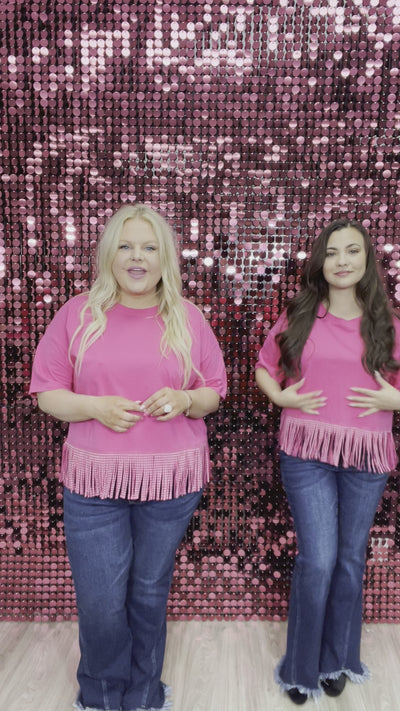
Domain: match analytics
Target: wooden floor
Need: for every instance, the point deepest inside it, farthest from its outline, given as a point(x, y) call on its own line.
point(211, 666)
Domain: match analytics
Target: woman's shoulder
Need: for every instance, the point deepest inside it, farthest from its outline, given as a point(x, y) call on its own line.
point(193, 311)
point(280, 323)
point(71, 308)
point(197, 321)
point(80, 299)
point(396, 321)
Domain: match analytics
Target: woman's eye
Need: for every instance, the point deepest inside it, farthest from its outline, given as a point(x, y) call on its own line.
point(123, 246)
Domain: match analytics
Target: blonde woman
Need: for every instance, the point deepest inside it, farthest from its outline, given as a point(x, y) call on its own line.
point(134, 368)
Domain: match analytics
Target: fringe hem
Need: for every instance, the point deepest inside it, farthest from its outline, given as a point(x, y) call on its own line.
point(139, 477)
point(167, 705)
point(338, 445)
point(311, 693)
point(355, 678)
point(78, 705)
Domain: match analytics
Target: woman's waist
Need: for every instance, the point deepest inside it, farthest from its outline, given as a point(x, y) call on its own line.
point(148, 436)
point(335, 415)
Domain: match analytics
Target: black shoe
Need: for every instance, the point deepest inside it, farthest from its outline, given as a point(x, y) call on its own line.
point(334, 687)
point(296, 696)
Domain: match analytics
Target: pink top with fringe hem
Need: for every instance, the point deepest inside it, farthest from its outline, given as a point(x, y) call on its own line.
point(331, 362)
point(153, 460)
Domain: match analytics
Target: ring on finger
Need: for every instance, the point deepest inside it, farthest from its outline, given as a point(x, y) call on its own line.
point(167, 408)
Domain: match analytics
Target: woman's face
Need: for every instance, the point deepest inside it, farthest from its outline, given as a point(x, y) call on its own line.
point(136, 266)
point(346, 260)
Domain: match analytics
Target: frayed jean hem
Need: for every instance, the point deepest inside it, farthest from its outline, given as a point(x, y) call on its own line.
point(78, 705)
point(167, 705)
point(355, 678)
point(311, 693)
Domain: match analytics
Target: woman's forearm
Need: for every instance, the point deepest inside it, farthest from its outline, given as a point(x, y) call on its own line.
point(115, 412)
point(67, 406)
point(268, 385)
point(204, 401)
point(74, 407)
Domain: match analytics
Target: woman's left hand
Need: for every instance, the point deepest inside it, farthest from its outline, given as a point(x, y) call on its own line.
point(387, 398)
point(165, 404)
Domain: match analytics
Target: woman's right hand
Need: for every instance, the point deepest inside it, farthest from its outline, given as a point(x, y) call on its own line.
point(115, 412)
point(307, 402)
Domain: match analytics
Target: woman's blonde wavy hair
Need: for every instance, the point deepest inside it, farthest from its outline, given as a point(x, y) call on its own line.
point(104, 293)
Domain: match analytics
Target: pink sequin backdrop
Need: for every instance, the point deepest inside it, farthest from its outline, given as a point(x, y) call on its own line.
point(249, 125)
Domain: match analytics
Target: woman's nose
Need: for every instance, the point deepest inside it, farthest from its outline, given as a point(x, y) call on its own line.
point(136, 254)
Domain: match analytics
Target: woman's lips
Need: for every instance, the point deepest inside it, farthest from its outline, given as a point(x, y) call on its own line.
point(136, 273)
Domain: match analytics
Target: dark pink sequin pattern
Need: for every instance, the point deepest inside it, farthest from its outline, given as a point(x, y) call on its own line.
point(249, 125)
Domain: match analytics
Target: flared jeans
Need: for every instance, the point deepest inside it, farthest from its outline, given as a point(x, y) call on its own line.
point(122, 556)
point(333, 509)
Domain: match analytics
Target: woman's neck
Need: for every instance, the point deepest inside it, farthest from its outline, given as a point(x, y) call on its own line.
point(343, 304)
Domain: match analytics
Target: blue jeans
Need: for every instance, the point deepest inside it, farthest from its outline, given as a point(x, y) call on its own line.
point(333, 509)
point(122, 556)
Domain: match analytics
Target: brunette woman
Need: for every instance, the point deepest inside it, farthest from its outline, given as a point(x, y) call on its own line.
point(331, 362)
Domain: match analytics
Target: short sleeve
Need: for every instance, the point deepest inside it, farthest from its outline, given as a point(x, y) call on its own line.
point(52, 369)
point(395, 379)
point(211, 363)
point(269, 354)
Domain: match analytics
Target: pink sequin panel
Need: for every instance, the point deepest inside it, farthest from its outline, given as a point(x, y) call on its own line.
point(249, 124)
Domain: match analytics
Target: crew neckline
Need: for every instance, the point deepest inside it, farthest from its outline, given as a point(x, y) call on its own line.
point(147, 309)
point(323, 312)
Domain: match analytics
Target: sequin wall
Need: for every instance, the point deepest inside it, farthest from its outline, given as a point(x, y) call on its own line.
point(249, 125)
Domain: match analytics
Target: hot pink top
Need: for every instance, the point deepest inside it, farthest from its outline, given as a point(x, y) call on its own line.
point(152, 460)
point(331, 362)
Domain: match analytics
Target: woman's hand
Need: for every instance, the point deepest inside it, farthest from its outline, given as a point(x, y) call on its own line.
point(306, 402)
point(386, 398)
point(116, 412)
point(290, 397)
point(165, 404)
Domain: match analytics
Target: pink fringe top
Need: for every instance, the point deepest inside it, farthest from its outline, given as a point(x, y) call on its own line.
point(331, 362)
point(153, 460)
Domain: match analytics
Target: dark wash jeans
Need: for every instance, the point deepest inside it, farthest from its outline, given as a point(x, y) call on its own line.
point(333, 509)
point(122, 556)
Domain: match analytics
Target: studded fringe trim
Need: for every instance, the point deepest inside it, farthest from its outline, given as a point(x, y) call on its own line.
point(143, 477)
point(338, 445)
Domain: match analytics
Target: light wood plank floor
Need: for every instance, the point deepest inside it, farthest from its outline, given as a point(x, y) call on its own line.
point(211, 665)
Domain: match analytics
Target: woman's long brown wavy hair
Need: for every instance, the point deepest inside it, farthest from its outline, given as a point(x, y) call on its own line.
point(377, 330)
